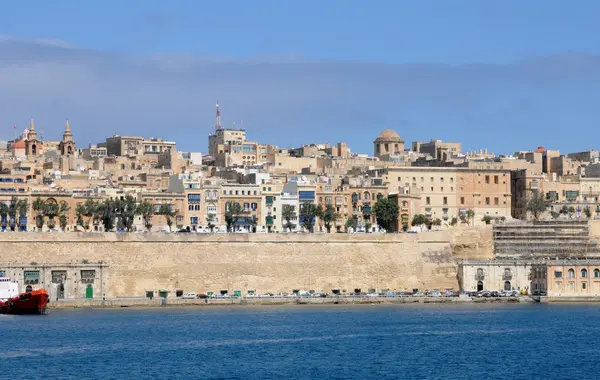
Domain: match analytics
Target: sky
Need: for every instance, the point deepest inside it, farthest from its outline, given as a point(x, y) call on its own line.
point(498, 75)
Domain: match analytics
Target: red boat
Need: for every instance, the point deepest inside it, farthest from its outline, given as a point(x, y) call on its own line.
point(33, 302)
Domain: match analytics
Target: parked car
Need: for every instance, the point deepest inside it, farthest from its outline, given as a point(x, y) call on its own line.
point(189, 296)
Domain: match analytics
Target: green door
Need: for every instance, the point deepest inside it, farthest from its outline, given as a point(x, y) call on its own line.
point(89, 291)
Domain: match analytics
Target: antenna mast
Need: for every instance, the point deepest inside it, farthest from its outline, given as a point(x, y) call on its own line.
point(218, 125)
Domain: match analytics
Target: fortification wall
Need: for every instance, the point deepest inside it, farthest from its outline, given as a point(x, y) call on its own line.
point(261, 262)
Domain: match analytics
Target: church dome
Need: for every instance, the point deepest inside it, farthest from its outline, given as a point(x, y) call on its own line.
point(388, 136)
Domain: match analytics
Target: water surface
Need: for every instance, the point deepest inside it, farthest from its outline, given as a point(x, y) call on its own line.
point(307, 342)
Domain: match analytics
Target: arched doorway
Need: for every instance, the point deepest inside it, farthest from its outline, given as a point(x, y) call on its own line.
point(479, 286)
point(507, 285)
point(28, 288)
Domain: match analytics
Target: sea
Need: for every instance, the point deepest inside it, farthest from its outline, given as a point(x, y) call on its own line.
point(425, 341)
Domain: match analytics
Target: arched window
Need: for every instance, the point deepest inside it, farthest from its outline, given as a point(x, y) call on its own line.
point(404, 203)
point(571, 273)
point(28, 288)
point(584, 273)
point(215, 194)
point(366, 196)
point(596, 273)
point(207, 194)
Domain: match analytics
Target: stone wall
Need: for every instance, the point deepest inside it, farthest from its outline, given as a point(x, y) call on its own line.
point(261, 262)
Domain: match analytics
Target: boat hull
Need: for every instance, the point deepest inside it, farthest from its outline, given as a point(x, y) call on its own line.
point(34, 302)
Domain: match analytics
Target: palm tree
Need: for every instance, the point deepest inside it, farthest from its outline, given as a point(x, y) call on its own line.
point(146, 209)
point(39, 207)
point(169, 212)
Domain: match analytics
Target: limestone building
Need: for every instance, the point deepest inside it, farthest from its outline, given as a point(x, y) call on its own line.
point(388, 143)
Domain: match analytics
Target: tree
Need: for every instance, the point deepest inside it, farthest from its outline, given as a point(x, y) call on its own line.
point(537, 204)
point(39, 206)
point(437, 222)
point(233, 212)
point(90, 212)
point(21, 209)
point(419, 220)
point(330, 215)
point(126, 210)
point(79, 211)
point(351, 223)
point(210, 220)
point(254, 222)
point(4, 213)
point(168, 211)
point(106, 212)
point(13, 209)
point(62, 219)
point(571, 211)
point(486, 219)
point(386, 212)
point(308, 213)
point(146, 210)
point(554, 214)
point(587, 212)
point(368, 226)
point(288, 213)
point(51, 210)
point(454, 221)
point(470, 214)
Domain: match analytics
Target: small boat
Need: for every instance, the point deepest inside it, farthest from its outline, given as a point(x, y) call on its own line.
point(32, 302)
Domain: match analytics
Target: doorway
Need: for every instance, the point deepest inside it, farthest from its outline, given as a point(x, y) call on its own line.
point(28, 288)
point(479, 286)
point(507, 285)
point(89, 291)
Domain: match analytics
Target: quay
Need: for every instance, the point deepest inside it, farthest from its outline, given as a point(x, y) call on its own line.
point(140, 302)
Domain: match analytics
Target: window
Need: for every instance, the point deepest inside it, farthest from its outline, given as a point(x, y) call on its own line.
point(584, 273)
point(442, 179)
point(462, 200)
point(451, 179)
point(495, 180)
point(571, 273)
point(596, 273)
point(584, 285)
point(445, 200)
point(487, 201)
point(431, 180)
point(496, 201)
point(487, 179)
point(558, 274)
point(558, 286)
point(427, 200)
point(422, 179)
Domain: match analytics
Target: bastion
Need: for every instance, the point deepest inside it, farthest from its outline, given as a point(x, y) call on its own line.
point(136, 263)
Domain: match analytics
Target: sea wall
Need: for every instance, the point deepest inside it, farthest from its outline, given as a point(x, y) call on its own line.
point(261, 262)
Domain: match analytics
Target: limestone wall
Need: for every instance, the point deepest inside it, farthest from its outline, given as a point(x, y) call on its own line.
point(261, 262)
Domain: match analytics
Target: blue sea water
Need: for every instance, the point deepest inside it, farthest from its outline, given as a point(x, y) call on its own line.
point(306, 342)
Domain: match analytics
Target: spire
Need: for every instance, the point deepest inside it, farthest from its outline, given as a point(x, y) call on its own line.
point(31, 133)
point(218, 125)
point(67, 136)
point(31, 126)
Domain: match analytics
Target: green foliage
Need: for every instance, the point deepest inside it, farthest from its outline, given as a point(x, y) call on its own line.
point(487, 219)
point(454, 221)
point(329, 216)
point(368, 226)
point(386, 212)
point(62, 220)
point(437, 222)
point(419, 220)
point(587, 212)
point(351, 223)
point(126, 210)
point(405, 227)
point(537, 204)
point(169, 212)
point(288, 213)
point(146, 210)
point(210, 220)
point(233, 212)
point(308, 212)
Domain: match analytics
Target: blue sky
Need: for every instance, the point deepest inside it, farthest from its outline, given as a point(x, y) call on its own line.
point(310, 71)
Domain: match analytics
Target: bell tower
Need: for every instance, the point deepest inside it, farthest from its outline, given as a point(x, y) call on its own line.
point(67, 150)
point(33, 146)
point(67, 145)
